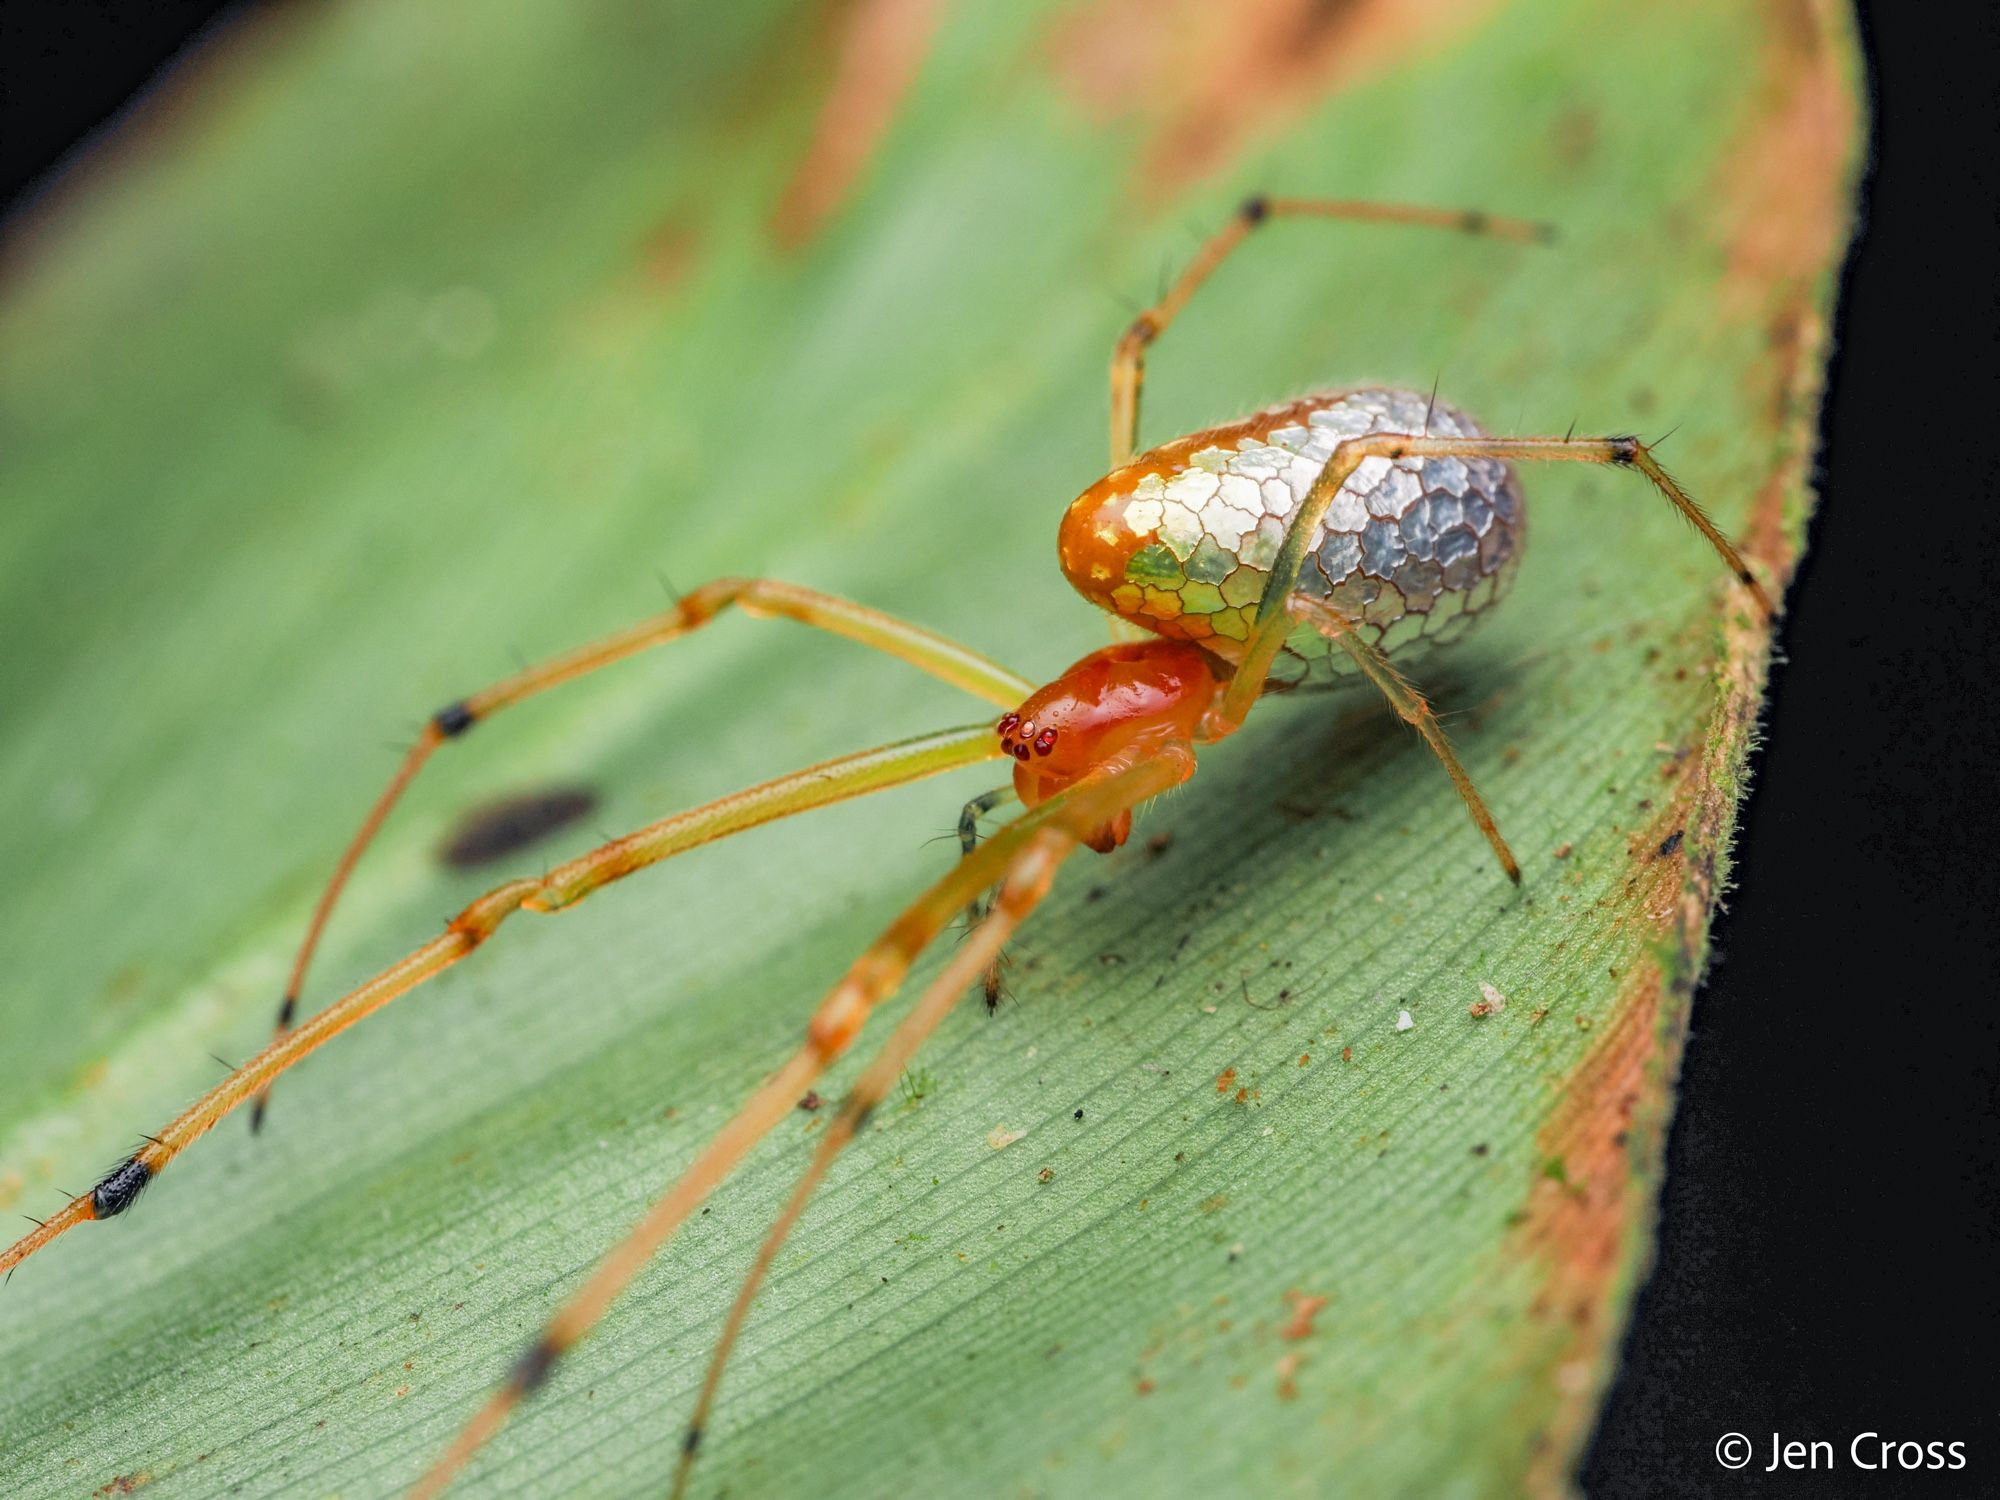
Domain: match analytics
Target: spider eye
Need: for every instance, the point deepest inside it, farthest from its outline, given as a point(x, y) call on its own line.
point(1045, 742)
point(1006, 725)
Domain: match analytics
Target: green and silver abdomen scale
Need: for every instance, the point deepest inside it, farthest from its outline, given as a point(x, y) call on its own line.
point(1181, 540)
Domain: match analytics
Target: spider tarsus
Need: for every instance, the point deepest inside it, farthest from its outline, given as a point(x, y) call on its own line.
point(257, 1114)
point(287, 1008)
point(453, 720)
point(120, 1188)
point(862, 1116)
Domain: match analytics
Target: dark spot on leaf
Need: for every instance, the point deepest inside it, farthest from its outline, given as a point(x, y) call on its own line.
point(498, 829)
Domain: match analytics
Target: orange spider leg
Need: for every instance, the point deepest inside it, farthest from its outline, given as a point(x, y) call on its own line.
point(1094, 801)
point(1412, 707)
point(829, 782)
point(921, 648)
point(1027, 881)
point(1274, 608)
point(1128, 361)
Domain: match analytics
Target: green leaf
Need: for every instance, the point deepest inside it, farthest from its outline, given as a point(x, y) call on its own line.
point(396, 340)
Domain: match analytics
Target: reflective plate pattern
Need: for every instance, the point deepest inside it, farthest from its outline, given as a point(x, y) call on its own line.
point(1181, 540)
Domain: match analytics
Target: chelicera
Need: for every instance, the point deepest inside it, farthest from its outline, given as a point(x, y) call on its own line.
point(1337, 529)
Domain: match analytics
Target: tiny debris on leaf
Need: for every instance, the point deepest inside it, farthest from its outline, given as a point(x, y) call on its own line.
point(1490, 1001)
point(1000, 1137)
point(1403, 1021)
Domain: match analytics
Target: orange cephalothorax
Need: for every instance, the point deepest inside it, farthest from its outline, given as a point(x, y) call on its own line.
point(1111, 702)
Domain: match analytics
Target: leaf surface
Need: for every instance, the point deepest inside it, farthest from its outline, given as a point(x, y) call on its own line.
point(394, 341)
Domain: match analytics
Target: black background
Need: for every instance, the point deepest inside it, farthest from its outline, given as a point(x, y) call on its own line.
point(1827, 1256)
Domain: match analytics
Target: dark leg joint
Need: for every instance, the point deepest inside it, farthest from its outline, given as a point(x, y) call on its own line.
point(287, 1010)
point(862, 1115)
point(120, 1188)
point(1475, 222)
point(531, 1370)
point(453, 720)
point(691, 1442)
point(1256, 209)
point(1625, 450)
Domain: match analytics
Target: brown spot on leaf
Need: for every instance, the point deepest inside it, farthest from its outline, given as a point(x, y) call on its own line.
point(669, 253)
point(1305, 1307)
point(1209, 79)
point(880, 45)
point(1288, 1376)
point(124, 1484)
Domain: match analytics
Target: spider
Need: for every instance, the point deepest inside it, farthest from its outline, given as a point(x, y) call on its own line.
point(1333, 530)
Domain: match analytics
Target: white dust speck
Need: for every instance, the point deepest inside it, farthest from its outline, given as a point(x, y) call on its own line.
point(1403, 1021)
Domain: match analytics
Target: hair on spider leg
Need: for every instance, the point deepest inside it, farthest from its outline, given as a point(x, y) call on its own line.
point(994, 987)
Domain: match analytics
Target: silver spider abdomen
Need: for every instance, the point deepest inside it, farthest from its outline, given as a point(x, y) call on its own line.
point(1181, 540)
